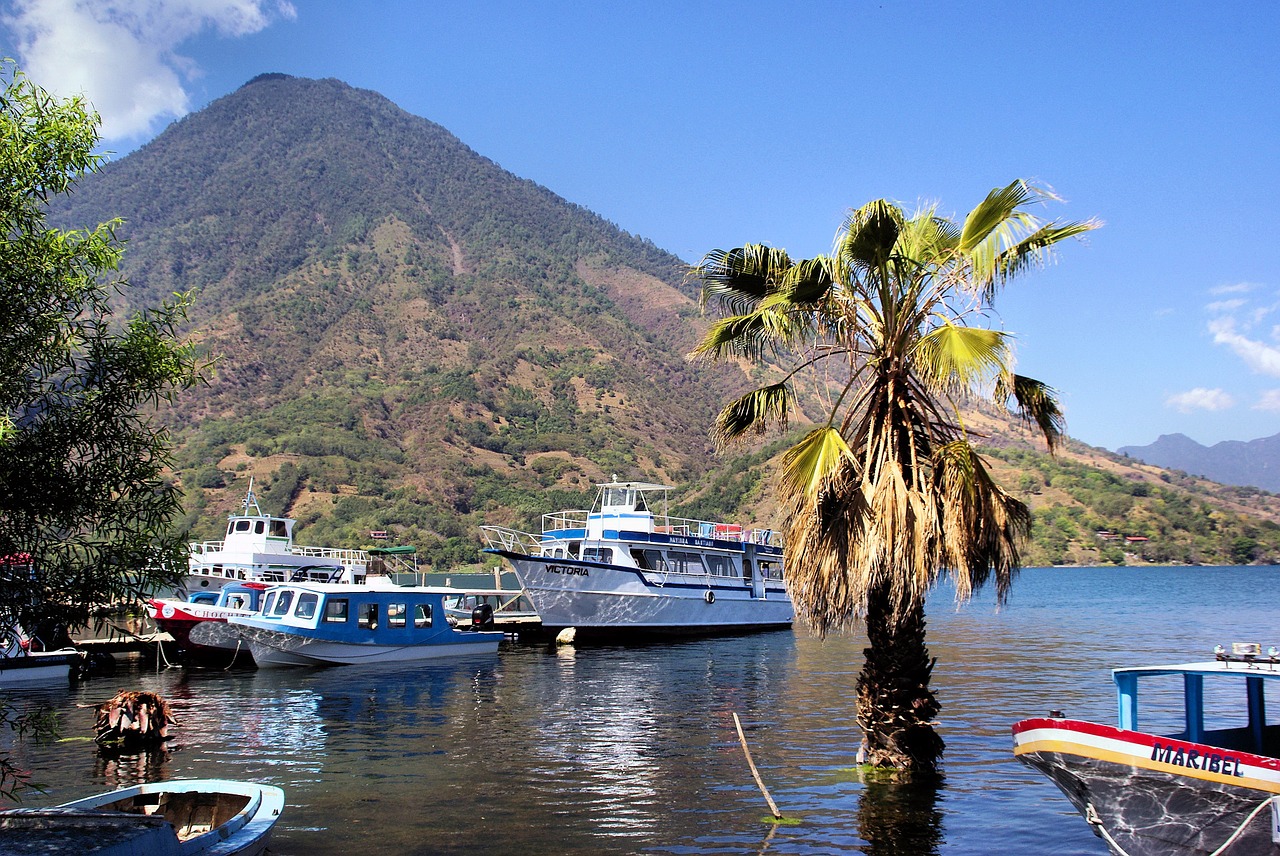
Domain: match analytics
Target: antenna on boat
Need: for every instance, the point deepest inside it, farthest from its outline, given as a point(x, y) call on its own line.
point(251, 501)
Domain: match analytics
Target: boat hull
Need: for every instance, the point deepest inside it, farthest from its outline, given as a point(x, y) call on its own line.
point(601, 599)
point(50, 667)
point(272, 648)
point(1153, 796)
point(203, 817)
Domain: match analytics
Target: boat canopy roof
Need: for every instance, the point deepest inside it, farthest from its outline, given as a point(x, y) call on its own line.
point(405, 550)
point(1260, 667)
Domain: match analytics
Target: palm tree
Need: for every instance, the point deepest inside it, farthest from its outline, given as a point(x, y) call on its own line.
point(887, 493)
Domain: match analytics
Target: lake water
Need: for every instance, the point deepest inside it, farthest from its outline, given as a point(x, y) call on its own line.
point(633, 749)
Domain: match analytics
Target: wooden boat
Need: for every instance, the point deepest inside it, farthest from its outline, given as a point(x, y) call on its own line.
point(318, 624)
point(1208, 788)
point(627, 567)
point(197, 817)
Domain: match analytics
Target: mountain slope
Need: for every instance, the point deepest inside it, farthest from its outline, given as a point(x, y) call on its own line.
point(410, 339)
point(1255, 462)
point(397, 318)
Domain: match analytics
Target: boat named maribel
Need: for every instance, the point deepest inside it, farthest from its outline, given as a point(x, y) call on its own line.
point(627, 567)
point(1206, 788)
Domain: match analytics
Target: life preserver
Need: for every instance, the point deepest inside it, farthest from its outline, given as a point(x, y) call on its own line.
point(709, 596)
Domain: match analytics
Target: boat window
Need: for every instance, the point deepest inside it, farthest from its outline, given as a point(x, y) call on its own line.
point(395, 615)
point(269, 603)
point(242, 525)
point(598, 554)
point(306, 607)
point(574, 546)
point(685, 563)
point(653, 560)
point(259, 527)
point(367, 616)
point(719, 565)
point(236, 601)
point(282, 605)
point(279, 529)
point(335, 610)
point(771, 570)
point(422, 615)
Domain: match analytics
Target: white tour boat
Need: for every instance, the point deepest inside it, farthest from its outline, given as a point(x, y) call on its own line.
point(259, 548)
point(319, 624)
point(1207, 788)
point(627, 567)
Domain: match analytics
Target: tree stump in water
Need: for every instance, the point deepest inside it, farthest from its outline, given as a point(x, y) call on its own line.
point(133, 720)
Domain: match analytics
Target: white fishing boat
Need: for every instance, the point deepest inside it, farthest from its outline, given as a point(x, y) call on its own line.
point(318, 624)
point(259, 547)
point(627, 567)
point(1209, 787)
point(198, 817)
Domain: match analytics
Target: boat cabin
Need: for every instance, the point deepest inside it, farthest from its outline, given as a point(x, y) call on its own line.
point(235, 596)
point(1223, 702)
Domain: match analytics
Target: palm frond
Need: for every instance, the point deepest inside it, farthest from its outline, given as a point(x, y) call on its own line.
point(751, 336)
point(753, 411)
point(740, 278)
point(1031, 252)
point(869, 234)
point(811, 463)
point(953, 355)
point(1035, 403)
point(998, 212)
point(809, 281)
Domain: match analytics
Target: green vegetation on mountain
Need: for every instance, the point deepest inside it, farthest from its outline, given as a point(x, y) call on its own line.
point(407, 337)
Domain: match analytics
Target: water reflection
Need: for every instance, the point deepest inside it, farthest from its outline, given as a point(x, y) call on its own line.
point(633, 750)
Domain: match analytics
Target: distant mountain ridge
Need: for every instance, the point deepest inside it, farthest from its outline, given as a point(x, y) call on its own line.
point(1239, 462)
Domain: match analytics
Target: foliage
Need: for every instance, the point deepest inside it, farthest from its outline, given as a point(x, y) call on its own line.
point(886, 491)
point(84, 505)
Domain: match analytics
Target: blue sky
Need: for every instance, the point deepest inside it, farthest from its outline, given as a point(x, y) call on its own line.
point(703, 125)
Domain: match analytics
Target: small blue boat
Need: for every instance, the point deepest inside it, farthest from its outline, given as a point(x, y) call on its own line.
point(195, 817)
point(320, 624)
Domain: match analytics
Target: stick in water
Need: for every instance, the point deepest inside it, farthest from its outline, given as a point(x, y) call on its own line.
point(754, 772)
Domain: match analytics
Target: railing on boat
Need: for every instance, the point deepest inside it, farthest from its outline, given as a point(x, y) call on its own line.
point(667, 525)
point(512, 540)
point(344, 555)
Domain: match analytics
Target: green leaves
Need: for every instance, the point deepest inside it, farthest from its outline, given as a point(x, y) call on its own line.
point(809, 465)
point(953, 355)
point(753, 411)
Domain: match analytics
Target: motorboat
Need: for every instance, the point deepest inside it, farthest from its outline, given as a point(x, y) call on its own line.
point(24, 663)
point(1209, 787)
point(627, 567)
point(195, 817)
point(198, 624)
point(316, 624)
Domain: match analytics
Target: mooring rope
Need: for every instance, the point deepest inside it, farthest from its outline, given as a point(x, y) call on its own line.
point(1091, 817)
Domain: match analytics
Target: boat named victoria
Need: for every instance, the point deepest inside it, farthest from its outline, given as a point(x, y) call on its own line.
point(627, 567)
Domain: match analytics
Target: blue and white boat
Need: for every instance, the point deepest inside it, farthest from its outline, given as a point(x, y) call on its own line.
point(627, 567)
point(195, 817)
point(321, 624)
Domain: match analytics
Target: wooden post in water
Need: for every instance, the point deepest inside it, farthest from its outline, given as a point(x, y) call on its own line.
point(742, 738)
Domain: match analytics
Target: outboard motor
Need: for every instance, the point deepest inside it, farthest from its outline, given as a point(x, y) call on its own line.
point(482, 617)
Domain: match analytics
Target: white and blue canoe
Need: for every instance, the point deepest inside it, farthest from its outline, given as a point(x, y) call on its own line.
point(194, 817)
point(327, 624)
point(627, 567)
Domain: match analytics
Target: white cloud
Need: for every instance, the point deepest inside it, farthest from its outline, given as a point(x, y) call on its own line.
point(1220, 307)
point(1234, 288)
point(1270, 400)
point(122, 54)
point(1200, 399)
point(1259, 356)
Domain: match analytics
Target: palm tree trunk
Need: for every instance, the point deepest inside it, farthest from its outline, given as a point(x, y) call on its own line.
point(895, 705)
